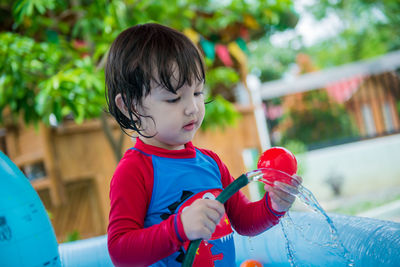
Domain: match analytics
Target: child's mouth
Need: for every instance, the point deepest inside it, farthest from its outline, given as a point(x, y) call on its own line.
point(190, 126)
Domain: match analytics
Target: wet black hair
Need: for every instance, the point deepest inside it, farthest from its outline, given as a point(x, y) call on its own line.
point(143, 55)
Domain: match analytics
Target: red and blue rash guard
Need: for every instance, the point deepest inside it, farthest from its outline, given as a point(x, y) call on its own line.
point(150, 188)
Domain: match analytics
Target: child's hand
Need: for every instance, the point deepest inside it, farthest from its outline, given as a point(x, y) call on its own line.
point(200, 219)
point(283, 195)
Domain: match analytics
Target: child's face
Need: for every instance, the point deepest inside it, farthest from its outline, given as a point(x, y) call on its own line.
point(174, 118)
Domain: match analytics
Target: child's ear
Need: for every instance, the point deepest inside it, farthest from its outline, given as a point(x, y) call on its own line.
point(121, 105)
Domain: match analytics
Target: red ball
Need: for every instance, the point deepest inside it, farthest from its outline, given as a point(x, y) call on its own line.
point(251, 263)
point(278, 158)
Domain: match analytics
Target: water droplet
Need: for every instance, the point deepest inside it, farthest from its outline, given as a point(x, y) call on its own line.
point(251, 244)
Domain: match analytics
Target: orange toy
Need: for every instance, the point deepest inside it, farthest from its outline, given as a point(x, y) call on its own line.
point(251, 263)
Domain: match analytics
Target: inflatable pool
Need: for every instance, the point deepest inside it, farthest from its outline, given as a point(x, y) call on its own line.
point(370, 242)
point(27, 237)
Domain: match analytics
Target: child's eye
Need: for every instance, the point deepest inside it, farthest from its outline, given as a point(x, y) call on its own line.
point(174, 100)
point(198, 93)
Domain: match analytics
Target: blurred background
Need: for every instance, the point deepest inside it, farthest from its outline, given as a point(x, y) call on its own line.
point(321, 78)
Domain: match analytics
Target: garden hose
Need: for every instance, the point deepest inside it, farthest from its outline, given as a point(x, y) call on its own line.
point(231, 189)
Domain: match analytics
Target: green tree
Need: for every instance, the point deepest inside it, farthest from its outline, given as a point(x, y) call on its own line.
point(269, 62)
point(317, 121)
point(52, 52)
point(370, 28)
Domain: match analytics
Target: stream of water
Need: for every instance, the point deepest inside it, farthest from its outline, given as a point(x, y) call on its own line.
point(268, 176)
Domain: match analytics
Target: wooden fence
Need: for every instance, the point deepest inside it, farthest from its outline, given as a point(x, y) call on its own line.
point(71, 166)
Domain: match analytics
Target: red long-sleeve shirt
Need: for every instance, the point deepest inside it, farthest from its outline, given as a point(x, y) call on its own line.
point(140, 233)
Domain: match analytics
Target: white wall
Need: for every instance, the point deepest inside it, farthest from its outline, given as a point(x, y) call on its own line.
point(366, 166)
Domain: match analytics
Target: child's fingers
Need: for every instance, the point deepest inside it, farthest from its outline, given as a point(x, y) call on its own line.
point(289, 189)
point(216, 205)
point(277, 194)
point(280, 203)
point(297, 180)
point(285, 188)
point(200, 219)
point(283, 196)
point(213, 215)
point(209, 228)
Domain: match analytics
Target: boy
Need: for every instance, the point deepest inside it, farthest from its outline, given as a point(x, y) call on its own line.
point(163, 190)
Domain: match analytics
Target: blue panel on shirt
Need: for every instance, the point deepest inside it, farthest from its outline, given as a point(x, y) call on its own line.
point(172, 177)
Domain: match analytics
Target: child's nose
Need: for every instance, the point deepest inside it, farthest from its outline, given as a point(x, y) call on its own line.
point(191, 107)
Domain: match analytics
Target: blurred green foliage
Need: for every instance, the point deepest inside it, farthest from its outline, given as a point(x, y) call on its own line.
point(224, 76)
point(299, 149)
point(53, 51)
point(268, 62)
point(398, 107)
point(355, 207)
point(42, 78)
point(73, 236)
point(370, 28)
point(222, 113)
point(317, 120)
